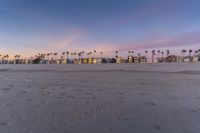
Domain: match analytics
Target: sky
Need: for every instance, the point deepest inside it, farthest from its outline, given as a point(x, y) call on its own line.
point(28, 27)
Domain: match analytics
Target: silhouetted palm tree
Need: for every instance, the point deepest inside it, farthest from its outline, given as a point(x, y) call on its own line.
point(101, 54)
point(55, 55)
point(90, 53)
point(158, 54)
point(190, 53)
point(196, 52)
point(72, 55)
point(129, 52)
point(95, 53)
point(67, 54)
point(63, 55)
point(75, 55)
point(153, 54)
point(79, 55)
point(48, 54)
point(132, 53)
point(116, 52)
point(168, 52)
point(183, 52)
point(162, 53)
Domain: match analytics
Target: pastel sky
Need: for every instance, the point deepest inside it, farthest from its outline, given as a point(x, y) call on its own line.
point(32, 26)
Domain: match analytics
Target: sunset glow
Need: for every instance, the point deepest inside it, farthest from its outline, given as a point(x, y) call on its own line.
point(28, 27)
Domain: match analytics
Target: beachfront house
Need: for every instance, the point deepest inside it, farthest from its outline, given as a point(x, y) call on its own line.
point(136, 59)
point(130, 59)
point(187, 59)
point(4, 61)
point(195, 58)
point(99, 60)
point(171, 58)
point(142, 59)
point(119, 60)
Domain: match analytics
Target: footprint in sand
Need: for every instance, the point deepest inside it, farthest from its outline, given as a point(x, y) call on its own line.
point(150, 104)
point(6, 89)
point(3, 123)
point(87, 102)
point(11, 86)
point(157, 127)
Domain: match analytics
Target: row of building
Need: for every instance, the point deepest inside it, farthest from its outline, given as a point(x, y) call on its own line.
point(129, 59)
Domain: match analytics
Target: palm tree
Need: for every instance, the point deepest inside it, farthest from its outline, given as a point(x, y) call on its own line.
point(67, 54)
point(132, 52)
point(90, 53)
point(129, 52)
point(153, 54)
point(72, 55)
point(48, 54)
point(55, 55)
point(199, 51)
point(63, 54)
point(79, 55)
point(168, 52)
point(101, 54)
point(158, 54)
point(51, 56)
point(190, 53)
point(146, 52)
point(95, 53)
point(116, 52)
point(162, 53)
point(83, 52)
point(196, 52)
point(183, 52)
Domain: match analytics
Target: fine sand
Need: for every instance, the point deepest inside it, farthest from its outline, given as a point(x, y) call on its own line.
point(104, 98)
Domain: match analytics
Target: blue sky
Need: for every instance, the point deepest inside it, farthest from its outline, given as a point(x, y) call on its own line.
point(32, 26)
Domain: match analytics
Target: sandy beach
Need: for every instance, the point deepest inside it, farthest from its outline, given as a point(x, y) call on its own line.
point(104, 98)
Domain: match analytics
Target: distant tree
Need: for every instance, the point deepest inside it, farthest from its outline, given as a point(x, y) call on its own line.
point(196, 52)
point(183, 52)
point(116, 52)
point(101, 53)
point(55, 56)
point(67, 52)
point(153, 54)
point(190, 52)
point(48, 54)
point(158, 54)
point(83, 52)
point(168, 52)
point(72, 55)
point(90, 53)
point(162, 53)
point(129, 52)
point(95, 53)
point(63, 55)
point(132, 52)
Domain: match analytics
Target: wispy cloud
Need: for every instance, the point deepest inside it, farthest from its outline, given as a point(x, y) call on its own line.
point(185, 39)
point(25, 13)
point(68, 41)
point(148, 11)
